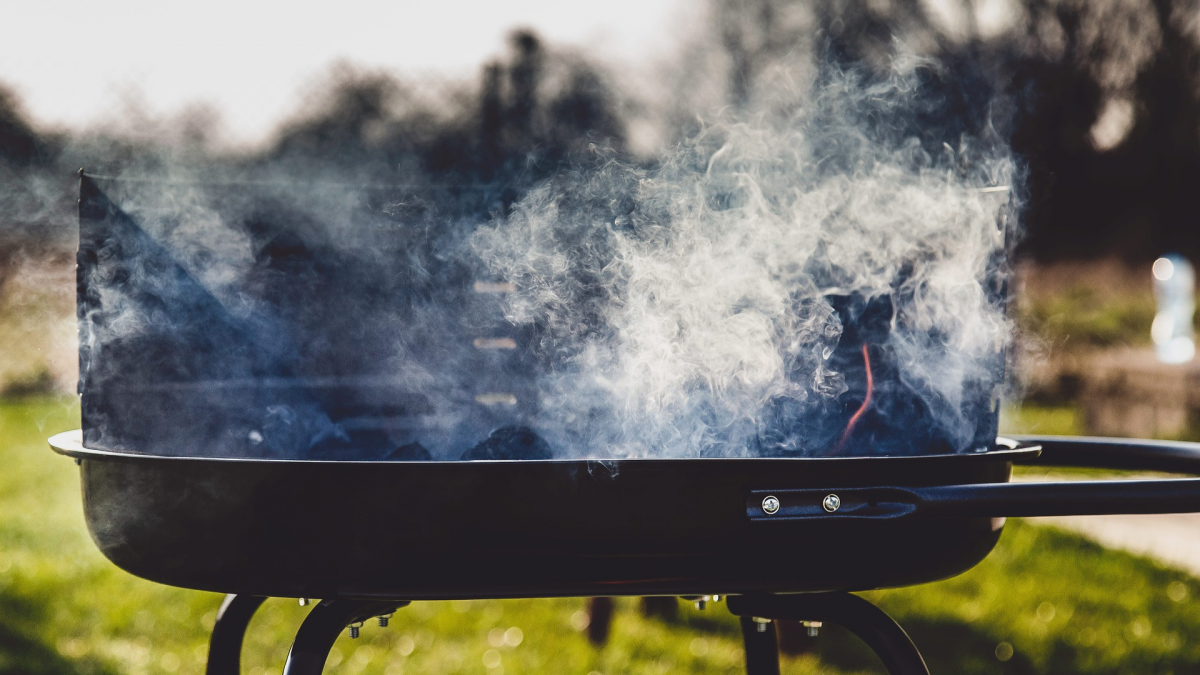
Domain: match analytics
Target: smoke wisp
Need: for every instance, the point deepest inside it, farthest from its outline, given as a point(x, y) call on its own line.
point(814, 277)
point(700, 307)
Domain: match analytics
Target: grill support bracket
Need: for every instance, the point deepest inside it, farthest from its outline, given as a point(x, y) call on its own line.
point(322, 627)
point(872, 625)
point(762, 647)
point(229, 631)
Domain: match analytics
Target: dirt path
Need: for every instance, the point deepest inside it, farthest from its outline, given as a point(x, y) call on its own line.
point(1170, 539)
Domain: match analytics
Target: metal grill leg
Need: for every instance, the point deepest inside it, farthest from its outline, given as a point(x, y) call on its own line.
point(871, 624)
point(762, 647)
point(321, 629)
point(225, 645)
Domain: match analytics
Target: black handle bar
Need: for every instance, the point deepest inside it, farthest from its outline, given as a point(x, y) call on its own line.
point(998, 500)
point(1134, 454)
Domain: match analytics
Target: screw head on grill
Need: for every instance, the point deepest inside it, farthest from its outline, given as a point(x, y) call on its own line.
point(770, 505)
point(831, 503)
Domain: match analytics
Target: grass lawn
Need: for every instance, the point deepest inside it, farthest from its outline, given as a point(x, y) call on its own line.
point(1044, 602)
point(1049, 421)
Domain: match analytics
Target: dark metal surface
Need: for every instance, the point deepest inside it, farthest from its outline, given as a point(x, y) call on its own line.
point(431, 530)
point(425, 530)
point(872, 625)
point(762, 647)
point(321, 629)
point(225, 645)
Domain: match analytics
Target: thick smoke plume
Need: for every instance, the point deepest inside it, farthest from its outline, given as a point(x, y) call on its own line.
point(700, 307)
point(818, 275)
point(1097, 94)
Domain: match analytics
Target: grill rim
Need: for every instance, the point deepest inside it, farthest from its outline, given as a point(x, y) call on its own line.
point(70, 444)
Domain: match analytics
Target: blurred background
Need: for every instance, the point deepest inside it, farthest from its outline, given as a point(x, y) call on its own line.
point(1099, 99)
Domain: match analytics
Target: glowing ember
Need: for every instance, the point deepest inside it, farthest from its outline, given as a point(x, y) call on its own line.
point(862, 408)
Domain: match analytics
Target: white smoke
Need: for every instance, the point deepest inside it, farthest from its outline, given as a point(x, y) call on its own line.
point(675, 307)
point(716, 303)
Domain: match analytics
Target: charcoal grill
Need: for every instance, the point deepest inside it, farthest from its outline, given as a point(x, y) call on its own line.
point(203, 505)
point(785, 539)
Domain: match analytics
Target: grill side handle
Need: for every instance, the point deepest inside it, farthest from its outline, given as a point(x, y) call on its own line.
point(1000, 500)
point(1132, 454)
point(985, 500)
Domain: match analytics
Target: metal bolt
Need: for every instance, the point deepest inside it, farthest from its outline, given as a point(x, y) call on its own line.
point(383, 620)
point(304, 602)
point(813, 627)
point(831, 503)
point(761, 623)
point(701, 603)
point(770, 505)
point(354, 629)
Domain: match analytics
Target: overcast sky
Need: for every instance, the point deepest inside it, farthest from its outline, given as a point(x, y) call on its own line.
point(74, 62)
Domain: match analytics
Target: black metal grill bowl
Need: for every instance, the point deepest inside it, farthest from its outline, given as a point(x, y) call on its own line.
point(424, 530)
point(524, 528)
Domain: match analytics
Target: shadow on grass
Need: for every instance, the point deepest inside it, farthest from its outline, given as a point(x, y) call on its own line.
point(21, 653)
point(951, 647)
point(947, 647)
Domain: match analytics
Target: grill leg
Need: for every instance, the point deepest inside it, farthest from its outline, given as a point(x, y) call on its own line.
point(762, 647)
point(321, 629)
point(225, 646)
point(883, 635)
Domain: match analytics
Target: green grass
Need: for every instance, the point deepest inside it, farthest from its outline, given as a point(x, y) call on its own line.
point(1083, 317)
point(1064, 605)
point(1033, 419)
point(1060, 603)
